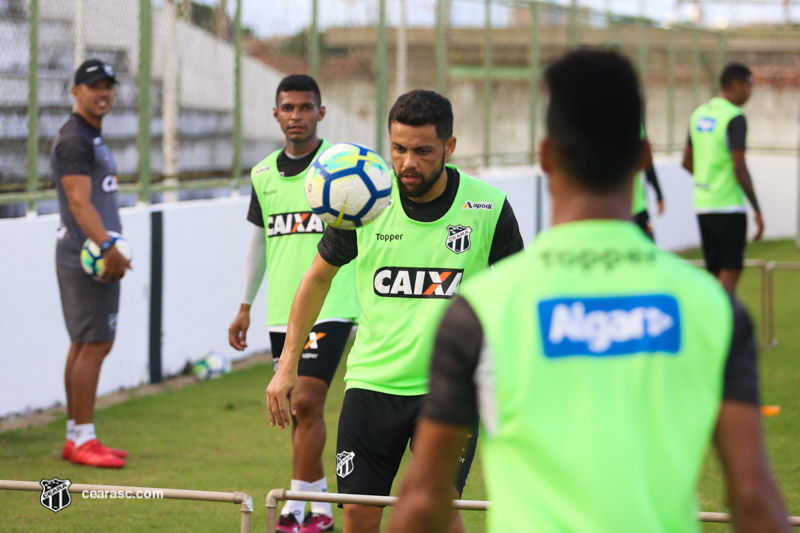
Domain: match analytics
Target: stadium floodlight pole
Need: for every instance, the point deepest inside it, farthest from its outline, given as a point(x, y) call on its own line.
point(33, 107)
point(533, 65)
point(237, 99)
point(487, 82)
point(313, 40)
point(169, 100)
point(401, 65)
point(380, 96)
point(144, 101)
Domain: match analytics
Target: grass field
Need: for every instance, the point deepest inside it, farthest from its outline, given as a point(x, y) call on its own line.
point(216, 436)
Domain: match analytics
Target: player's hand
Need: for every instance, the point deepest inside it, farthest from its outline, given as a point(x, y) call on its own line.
point(282, 387)
point(661, 207)
point(759, 225)
point(114, 265)
point(237, 333)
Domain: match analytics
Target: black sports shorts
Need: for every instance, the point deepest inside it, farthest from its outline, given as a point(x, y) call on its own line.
point(642, 219)
point(374, 430)
point(724, 237)
point(322, 351)
point(90, 307)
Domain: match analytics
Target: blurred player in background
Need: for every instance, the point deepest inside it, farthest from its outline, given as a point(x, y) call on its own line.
point(600, 364)
point(441, 226)
point(85, 177)
point(639, 203)
point(284, 243)
point(714, 153)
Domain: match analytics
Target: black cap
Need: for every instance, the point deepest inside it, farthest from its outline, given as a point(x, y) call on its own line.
point(93, 70)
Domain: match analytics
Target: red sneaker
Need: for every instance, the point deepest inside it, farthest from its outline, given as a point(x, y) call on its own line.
point(92, 453)
point(316, 523)
point(287, 523)
point(69, 449)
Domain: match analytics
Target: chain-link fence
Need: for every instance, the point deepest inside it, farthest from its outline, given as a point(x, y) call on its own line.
point(197, 81)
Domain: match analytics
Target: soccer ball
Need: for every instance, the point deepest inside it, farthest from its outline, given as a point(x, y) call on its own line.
point(212, 365)
point(92, 258)
point(348, 185)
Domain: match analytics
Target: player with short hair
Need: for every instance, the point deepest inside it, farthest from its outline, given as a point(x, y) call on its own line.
point(284, 242)
point(714, 154)
point(441, 227)
point(600, 364)
point(85, 177)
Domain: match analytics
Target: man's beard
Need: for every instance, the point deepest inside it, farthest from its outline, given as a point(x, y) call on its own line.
point(425, 185)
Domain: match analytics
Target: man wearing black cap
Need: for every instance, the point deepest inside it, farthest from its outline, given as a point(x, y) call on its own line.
point(85, 177)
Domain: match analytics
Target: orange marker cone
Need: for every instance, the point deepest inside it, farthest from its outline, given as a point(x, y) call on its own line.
point(770, 410)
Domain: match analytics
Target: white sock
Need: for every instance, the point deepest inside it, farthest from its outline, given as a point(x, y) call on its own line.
point(321, 485)
point(297, 508)
point(71, 430)
point(83, 434)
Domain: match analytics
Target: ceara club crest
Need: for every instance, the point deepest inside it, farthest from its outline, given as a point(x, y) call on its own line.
point(458, 239)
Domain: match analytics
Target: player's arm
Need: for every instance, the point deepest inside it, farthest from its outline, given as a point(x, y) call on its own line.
point(688, 155)
point(753, 495)
point(450, 409)
point(652, 179)
point(254, 268)
point(737, 133)
point(506, 239)
point(306, 306)
point(75, 157)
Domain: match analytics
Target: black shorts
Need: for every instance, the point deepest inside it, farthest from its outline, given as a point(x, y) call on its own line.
point(90, 307)
point(724, 238)
point(642, 219)
point(374, 430)
point(322, 351)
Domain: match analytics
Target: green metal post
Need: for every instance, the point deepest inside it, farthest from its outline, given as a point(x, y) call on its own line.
point(610, 27)
point(441, 47)
point(534, 89)
point(573, 23)
point(237, 98)
point(313, 37)
point(33, 105)
point(695, 67)
point(643, 27)
point(721, 45)
point(670, 88)
point(487, 82)
point(145, 84)
point(380, 97)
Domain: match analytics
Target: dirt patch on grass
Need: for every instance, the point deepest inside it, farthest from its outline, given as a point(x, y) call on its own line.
point(42, 417)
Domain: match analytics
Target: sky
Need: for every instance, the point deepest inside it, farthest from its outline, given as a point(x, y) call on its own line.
point(270, 18)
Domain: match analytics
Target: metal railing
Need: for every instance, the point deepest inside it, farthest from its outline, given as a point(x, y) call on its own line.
point(241, 498)
point(277, 495)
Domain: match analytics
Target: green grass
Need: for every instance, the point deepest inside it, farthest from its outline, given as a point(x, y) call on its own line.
point(216, 436)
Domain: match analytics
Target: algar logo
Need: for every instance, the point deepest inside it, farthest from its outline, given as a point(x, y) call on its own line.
point(292, 223)
point(399, 282)
point(622, 325)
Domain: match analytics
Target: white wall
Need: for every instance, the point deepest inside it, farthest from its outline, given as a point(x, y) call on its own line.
point(204, 249)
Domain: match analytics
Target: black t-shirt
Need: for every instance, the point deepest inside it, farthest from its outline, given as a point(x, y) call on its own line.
point(737, 134)
point(453, 397)
point(287, 166)
point(338, 247)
